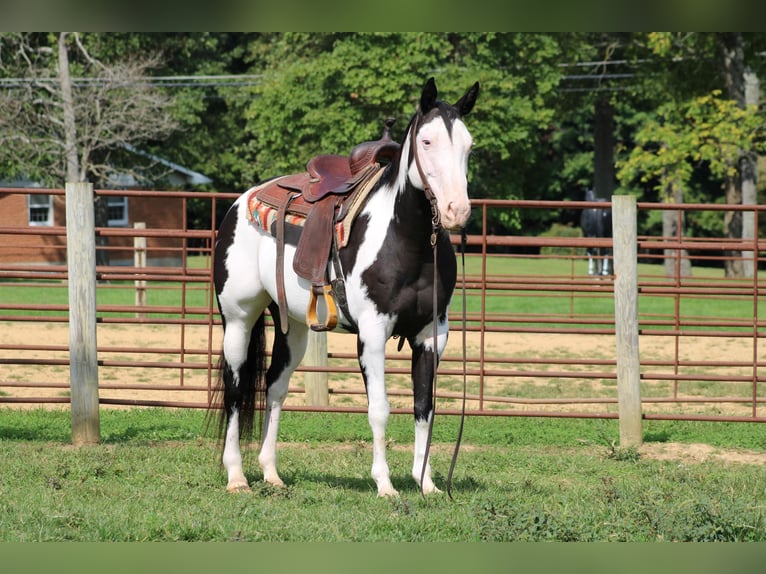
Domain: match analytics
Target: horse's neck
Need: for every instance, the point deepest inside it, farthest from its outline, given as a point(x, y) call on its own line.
point(412, 212)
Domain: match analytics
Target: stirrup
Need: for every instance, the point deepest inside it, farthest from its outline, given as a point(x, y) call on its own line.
point(332, 313)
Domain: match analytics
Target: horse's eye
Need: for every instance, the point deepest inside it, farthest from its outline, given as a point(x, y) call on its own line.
point(426, 143)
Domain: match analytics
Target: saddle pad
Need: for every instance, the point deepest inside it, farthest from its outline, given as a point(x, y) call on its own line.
point(264, 214)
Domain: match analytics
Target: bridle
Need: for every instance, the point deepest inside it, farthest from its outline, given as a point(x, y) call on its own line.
point(435, 217)
point(435, 227)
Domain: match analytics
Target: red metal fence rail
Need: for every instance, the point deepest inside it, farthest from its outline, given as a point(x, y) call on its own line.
point(540, 330)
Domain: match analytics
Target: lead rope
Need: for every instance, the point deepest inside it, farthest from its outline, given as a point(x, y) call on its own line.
point(463, 240)
point(434, 237)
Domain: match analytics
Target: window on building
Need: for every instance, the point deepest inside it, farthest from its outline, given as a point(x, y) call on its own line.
point(40, 209)
point(118, 211)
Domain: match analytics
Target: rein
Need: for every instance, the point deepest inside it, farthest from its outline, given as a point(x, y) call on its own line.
point(463, 241)
point(435, 226)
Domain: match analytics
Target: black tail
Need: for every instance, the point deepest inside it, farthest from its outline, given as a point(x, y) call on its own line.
point(250, 395)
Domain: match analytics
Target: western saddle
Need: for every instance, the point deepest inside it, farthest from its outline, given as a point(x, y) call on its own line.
point(327, 195)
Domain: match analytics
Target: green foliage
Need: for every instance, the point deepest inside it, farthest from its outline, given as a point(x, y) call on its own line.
point(707, 129)
point(261, 104)
point(559, 230)
point(358, 79)
point(324, 93)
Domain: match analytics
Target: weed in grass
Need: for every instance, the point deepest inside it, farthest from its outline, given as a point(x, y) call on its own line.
point(623, 454)
point(506, 522)
point(709, 523)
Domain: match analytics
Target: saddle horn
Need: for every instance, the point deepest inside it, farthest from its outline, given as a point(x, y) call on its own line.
point(367, 153)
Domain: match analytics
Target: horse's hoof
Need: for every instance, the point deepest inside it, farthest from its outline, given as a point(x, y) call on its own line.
point(432, 490)
point(238, 487)
point(388, 493)
point(276, 482)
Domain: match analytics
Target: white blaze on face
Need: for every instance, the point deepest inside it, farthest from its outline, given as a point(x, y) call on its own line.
point(444, 161)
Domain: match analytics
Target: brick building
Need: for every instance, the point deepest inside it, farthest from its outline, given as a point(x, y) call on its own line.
point(33, 220)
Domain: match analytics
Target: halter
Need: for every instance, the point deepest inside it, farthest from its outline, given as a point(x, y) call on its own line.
point(435, 225)
point(435, 217)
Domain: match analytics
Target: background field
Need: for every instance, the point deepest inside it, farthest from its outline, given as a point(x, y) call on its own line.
point(534, 307)
point(158, 383)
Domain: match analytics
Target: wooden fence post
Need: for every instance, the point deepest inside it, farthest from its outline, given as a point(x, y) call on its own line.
point(626, 319)
point(81, 266)
point(317, 393)
point(139, 262)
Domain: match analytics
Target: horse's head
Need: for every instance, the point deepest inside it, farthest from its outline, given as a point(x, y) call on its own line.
point(441, 144)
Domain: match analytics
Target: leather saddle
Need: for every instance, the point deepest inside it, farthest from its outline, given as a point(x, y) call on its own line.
point(321, 197)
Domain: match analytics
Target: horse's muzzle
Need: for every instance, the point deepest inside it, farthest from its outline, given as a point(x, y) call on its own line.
point(456, 215)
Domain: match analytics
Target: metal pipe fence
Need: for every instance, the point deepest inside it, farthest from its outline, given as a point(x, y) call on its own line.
point(539, 330)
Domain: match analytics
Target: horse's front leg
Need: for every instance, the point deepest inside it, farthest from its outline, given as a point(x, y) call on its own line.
point(422, 386)
point(371, 349)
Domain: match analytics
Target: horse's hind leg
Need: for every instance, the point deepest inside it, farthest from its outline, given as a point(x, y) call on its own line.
point(287, 352)
point(237, 377)
point(606, 265)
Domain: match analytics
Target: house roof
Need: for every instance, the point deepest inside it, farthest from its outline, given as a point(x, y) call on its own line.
point(124, 179)
point(193, 177)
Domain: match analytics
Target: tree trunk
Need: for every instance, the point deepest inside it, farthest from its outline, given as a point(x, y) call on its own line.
point(676, 261)
point(67, 104)
point(603, 143)
point(731, 45)
point(732, 224)
point(101, 215)
point(749, 171)
point(73, 172)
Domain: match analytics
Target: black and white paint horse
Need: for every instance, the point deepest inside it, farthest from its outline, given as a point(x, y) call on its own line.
point(388, 267)
point(597, 222)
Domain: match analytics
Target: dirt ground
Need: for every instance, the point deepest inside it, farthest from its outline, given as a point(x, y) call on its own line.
point(138, 362)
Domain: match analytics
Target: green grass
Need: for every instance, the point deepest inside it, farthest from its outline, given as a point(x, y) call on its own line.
point(159, 294)
point(538, 300)
point(155, 477)
point(528, 305)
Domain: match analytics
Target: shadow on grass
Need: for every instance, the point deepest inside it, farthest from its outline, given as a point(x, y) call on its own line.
point(34, 434)
point(297, 480)
point(136, 427)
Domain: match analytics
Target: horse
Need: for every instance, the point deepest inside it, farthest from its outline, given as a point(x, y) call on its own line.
point(399, 270)
point(597, 222)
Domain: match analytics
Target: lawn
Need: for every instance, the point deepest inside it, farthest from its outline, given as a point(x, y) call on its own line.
point(156, 477)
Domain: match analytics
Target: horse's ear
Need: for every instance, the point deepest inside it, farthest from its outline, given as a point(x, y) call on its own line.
point(465, 104)
point(428, 97)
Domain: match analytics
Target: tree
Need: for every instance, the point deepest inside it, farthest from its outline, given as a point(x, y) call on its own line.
point(207, 75)
point(323, 93)
point(692, 67)
point(707, 129)
point(63, 112)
